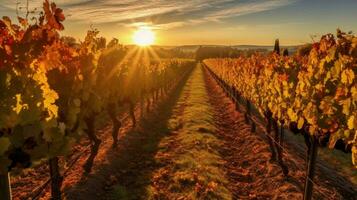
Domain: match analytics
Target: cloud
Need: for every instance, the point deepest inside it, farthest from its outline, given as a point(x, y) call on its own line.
point(247, 8)
point(11, 4)
point(164, 26)
point(160, 14)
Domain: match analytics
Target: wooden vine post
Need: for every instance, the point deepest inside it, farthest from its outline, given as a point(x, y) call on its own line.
point(56, 179)
point(280, 151)
point(268, 131)
point(5, 187)
point(248, 116)
point(278, 133)
point(311, 165)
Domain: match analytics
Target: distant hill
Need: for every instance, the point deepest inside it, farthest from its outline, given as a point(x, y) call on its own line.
point(291, 49)
point(193, 48)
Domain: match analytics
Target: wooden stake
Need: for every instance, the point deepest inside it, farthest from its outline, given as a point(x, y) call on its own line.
point(311, 169)
point(5, 187)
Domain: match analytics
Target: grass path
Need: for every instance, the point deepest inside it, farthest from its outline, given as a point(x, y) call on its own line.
point(192, 166)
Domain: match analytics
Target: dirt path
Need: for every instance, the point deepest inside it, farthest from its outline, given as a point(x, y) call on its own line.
point(247, 154)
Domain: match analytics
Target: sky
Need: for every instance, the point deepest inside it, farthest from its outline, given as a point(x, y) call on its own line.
point(214, 22)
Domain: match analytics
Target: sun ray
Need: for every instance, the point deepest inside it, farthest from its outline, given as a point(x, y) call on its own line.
point(137, 57)
point(134, 67)
point(146, 57)
point(153, 53)
point(119, 65)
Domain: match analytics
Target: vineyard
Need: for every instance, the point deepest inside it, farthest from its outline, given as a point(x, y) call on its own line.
point(315, 95)
point(101, 120)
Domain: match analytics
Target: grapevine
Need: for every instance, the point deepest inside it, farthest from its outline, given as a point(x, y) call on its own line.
point(52, 90)
point(316, 93)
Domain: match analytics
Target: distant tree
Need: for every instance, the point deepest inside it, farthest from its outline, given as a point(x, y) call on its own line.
point(217, 52)
point(277, 47)
point(304, 50)
point(70, 41)
point(251, 52)
point(175, 52)
point(285, 52)
point(102, 43)
point(113, 42)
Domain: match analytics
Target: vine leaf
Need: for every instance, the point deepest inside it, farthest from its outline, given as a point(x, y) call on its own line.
point(4, 145)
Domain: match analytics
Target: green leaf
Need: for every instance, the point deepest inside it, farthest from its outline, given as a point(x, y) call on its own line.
point(4, 145)
point(17, 137)
point(347, 133)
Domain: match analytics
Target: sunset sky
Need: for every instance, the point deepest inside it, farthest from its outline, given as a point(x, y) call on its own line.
point(229, 22)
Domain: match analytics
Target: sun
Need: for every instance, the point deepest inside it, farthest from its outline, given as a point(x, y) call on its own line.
point(144, 36)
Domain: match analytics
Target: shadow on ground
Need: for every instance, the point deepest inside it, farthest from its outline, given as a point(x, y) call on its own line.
point(128, 169)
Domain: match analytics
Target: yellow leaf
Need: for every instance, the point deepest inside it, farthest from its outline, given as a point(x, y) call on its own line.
point(354, 156)
point(312, 130)
point(300, 122)
point(347, 133)
point(292, 115)
point(346, 104)
point(351, 122)
point(334, 137)
point(19, 104)
point(286, 93)
point(354, 93)
point(347, 76)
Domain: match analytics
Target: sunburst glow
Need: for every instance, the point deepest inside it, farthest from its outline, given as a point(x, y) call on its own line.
point(144, 36)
